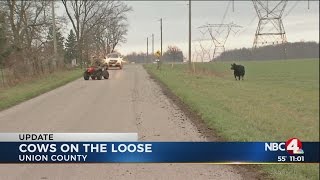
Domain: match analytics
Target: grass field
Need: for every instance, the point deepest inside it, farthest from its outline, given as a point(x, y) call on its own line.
point(13, 95)
point(277, 100)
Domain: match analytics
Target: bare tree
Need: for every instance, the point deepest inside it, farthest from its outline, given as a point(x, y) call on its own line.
point(84, 15)
point(118, 27)
point(27, 21)
point(93, 21)
point(117, 34)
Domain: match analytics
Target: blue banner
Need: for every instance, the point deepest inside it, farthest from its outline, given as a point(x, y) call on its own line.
point(157, 152)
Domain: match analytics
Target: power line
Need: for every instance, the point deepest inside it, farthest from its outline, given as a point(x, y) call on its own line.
point(248, 25)
point(224, 16)
point(289, 11)
point(225, 12)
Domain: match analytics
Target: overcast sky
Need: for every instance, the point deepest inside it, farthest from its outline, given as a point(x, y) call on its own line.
point(300, 24)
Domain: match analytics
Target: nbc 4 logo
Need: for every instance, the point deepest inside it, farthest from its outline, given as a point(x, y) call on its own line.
point(294, 146)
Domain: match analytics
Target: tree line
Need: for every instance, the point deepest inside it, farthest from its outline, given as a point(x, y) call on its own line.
point(296, 50)
point(172, 54)
point(26, 34)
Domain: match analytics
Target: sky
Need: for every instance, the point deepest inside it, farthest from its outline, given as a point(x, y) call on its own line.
point(300, 23)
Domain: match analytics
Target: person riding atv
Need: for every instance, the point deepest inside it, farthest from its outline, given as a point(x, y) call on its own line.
point(98, 69)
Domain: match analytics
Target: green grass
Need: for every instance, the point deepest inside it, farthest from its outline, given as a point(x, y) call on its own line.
point(277, 100)
point(27, 90)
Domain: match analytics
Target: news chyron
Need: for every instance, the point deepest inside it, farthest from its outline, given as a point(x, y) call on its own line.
point(293, 146)
point(126, 148)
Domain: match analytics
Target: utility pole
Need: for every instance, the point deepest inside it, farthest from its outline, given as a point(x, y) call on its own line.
point(147, 49)
point(152, 44)
point(190, 34)
point(54, 34)
point(161, 35)
point(232, 5)
point(2, 76)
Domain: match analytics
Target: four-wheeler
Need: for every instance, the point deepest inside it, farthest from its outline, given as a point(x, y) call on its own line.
point(96, 72)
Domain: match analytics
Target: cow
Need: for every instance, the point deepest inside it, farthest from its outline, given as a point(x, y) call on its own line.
point(238, 71)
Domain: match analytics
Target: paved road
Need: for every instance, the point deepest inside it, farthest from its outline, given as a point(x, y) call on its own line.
point(128, 102)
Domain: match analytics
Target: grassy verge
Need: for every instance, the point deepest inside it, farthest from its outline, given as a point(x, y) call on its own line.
point(276, 101)
point(27, 90)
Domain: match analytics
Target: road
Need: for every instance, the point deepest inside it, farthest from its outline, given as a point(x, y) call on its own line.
point(130, 101)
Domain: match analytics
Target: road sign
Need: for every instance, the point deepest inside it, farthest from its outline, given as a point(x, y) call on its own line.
point(158, 54)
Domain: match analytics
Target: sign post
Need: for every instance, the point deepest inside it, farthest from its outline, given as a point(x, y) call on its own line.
point(158, 54)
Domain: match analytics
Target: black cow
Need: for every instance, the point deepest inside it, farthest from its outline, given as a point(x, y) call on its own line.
point(238, 70)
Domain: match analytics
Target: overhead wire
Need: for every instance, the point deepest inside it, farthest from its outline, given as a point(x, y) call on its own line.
point(289, 11)
point(223, 17)
point(248, 25)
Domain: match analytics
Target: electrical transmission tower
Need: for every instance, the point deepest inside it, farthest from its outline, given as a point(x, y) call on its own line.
point(219, 38)
point(196, 53)
point(205, 45)
point(206, 50)
point(270, 30)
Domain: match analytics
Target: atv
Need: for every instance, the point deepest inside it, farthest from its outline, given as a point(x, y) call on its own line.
point(96, 72)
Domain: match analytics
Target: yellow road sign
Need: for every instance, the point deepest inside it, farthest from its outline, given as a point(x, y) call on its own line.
point(158, 54)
